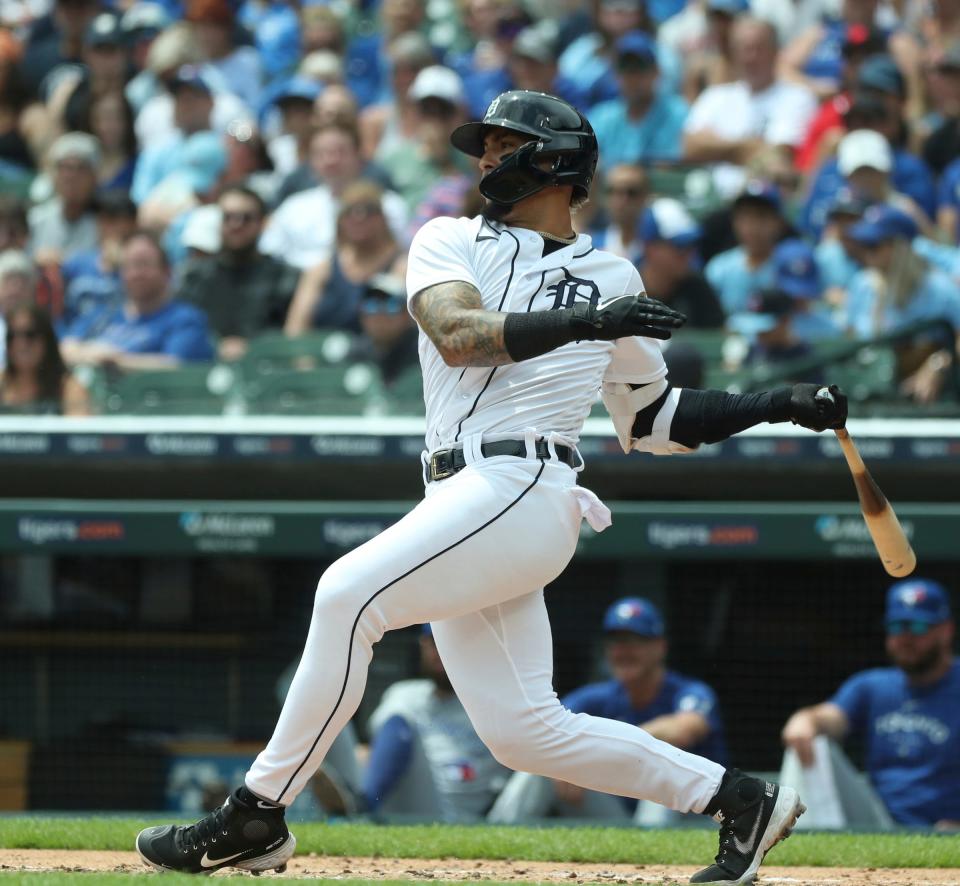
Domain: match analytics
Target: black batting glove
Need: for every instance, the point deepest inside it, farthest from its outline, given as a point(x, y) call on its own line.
point(818, 413)
point(625, 316)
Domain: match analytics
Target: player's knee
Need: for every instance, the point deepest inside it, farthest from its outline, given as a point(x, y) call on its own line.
point(340, 595)
point(516, 747)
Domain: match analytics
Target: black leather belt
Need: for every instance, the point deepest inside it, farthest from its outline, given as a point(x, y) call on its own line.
point(446, 462)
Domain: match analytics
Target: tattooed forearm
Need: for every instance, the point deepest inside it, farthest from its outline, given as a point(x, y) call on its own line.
point(453, 317)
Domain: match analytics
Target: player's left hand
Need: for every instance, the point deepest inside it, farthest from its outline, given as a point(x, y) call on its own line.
point(625, 316)
point(818, 413)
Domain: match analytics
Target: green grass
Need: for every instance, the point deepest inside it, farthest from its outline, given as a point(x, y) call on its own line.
point(581, 844)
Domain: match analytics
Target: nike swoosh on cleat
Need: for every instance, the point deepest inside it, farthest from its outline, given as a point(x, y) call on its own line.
point(749, 846)
point(207, 862)
point(263, 805)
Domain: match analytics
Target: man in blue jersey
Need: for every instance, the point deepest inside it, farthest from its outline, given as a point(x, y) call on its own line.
point(908, 715)
point(644, 692)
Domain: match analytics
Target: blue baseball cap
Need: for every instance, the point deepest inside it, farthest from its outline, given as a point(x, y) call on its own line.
point(191, 77)
point(301, 88)
point(917, 599)
point(795, 270)
point(639, 45)
point(730, 7)
point(848, 202)
point(634, 615)
point(757, 191)
point(668, 219)
point(880, 72)
point(762, 313)
point(880, 223)
point(203, 160)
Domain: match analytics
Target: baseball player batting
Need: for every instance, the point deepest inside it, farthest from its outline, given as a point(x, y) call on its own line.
point(522, 323)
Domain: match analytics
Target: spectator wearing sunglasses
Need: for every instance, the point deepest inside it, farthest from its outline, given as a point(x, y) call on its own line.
point(907, 716)
point(389, 337)
point(242, 291)
point(35, 379)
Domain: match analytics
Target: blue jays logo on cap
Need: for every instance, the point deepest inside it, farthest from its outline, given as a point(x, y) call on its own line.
point(917, 600)
point(635, 615)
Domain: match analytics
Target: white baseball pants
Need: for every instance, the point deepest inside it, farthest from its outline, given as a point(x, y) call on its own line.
point(472, 558)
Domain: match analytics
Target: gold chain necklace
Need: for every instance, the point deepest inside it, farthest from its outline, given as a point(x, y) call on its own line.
point(565, 240)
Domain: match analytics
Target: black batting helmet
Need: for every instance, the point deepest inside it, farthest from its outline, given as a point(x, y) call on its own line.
point(561, 135)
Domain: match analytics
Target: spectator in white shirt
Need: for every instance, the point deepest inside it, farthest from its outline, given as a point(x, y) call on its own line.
point(732, 122)
point(302, 231)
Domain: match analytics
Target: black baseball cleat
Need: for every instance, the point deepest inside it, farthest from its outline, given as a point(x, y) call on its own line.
point(245, 832)
point(754, 816)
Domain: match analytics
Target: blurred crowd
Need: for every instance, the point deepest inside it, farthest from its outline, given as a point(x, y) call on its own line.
point(178, 177)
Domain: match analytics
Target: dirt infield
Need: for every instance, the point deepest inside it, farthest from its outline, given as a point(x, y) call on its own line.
point(48, 860)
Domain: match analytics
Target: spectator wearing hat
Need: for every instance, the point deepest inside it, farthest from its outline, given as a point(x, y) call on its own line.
point(641, 126)
point(815, 59)
point(907, 716)
point(532, 63)
point(150, 330)
point(302, 230)
point(748, 267)
point(192, 92)
point(92, 277)
point(193, 182)
point(388, 333)
point(293, 99)
point(877, 104)
point(589, 60)
point(238, 66)
point(865, 160)
point(836, 254)
point(730, 123)
point(896, 288)
point(387, 124)
point(783, 322)
point(670, 236)
point(827, 126)
point(65, 224)
point(416, 165)
point(242, 291)
point(942, 145)
point(625, 194)
point(642, 691)
point(55, 39)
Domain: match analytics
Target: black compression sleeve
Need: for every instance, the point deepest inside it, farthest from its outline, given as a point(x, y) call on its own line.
point(527, 335)
point(711, 416)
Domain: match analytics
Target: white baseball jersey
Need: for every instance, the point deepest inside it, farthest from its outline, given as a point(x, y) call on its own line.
point(552, 393)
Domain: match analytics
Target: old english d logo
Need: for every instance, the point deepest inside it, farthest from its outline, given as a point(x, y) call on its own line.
point(567, 292)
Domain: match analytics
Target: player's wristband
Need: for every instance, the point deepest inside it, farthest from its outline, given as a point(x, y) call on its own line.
point(527, 335)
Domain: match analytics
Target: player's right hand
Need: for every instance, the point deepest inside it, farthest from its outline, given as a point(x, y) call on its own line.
point(625, 316)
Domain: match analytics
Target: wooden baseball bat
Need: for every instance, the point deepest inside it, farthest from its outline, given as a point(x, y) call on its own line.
point(888, 536)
